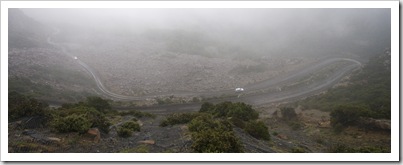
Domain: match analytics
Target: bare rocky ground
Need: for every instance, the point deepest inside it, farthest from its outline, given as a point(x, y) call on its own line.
point(311, 132)
point(129, 72)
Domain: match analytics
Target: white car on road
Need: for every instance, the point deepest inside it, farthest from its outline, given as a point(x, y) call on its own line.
point(239, 89)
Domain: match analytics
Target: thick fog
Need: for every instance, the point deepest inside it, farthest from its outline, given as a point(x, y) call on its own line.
point(261, 32)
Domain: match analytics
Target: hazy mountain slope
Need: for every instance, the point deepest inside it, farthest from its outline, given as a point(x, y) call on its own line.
point(38, 69)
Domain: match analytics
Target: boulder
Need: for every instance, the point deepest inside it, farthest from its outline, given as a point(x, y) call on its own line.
point(95, 132)
point(54, 139)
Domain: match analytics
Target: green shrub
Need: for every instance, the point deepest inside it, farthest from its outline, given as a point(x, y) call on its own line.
point(139, 149)
point(98, 103)
point(347, 115)
point(242, 111)
point(212, 135)
point(127, 129)
point(295, 125)
point(226, 109)
point(131, 125)
point(216, 141)
point(203, 122)
point(237, 122)
point(342, 148)
point(206, 107)
point(94, 117)
point(21, 106)
point(297, 150)
point(178, 118)
point(258, 130)
point(288, 113)
point(124, 132)
point(72, 123)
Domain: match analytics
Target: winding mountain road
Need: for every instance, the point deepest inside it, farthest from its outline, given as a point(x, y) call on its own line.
point(254, 93)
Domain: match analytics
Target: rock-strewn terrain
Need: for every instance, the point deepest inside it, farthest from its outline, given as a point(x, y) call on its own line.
point(133, 73)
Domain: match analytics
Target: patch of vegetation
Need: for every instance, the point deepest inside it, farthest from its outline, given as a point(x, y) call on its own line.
point(228, 109)
point(369, 89)
point(98, 103)
point(178, 118)
point(86, 111)
point(162, 101)
point(347, 115)
point(297, 150)
point(29, 147)
point(288, 113)
point(131, 125)
point(124, 132)
point(209, 135)
point(72, 123)
point(258, 130)
point(342, 148)
point(84, 114)
point(127, 129)
point(21, 106)
point(139, 149)
point(295, 125)
point(237, 122)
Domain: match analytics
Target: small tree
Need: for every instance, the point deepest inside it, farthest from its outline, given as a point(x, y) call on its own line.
point(98, 103)
point(346, 115)
point(288, 113)
point(258, 130)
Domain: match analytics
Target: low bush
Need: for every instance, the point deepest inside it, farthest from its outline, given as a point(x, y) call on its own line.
point(124, 132)
point(288, 113)
point(347, 115)
point(342, 148)
point(295, 125)
point(72, 123)
point(87, 114)
point(212, 135)
point(258, 130)
point(216, 141)
point(22, 106)
point(237, 122)
point(227, 109)
point(131, 125)
point(178, 118)
point(127, 129)
point(139, 149)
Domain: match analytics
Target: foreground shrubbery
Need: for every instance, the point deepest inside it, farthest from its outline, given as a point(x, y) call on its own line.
point(65, 120)
point(127, 129)
point(369, 89)
point(178, 118)
point(72, 123)
point(288, 113)
point(342, 148)
point(238, 110)
point(258, 130)
point(211, 135)
point(211, 127)
point(21, 106)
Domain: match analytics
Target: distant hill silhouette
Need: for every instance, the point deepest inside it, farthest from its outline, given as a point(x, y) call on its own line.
point(25, 32)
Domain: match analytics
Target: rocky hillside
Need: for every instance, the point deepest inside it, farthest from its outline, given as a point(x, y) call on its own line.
point(38, 69)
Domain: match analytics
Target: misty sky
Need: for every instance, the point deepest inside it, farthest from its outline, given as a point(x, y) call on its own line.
point(270, 28)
